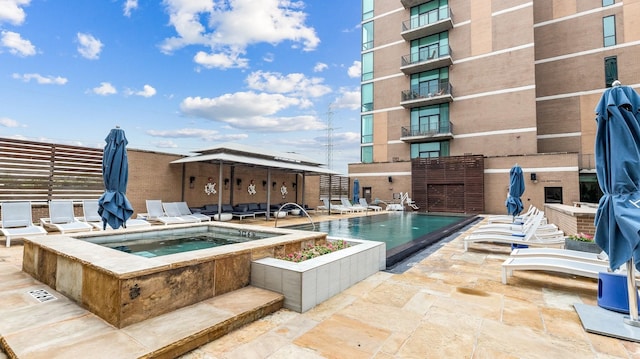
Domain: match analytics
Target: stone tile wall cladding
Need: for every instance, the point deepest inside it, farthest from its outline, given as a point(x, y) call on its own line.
point(309, 283)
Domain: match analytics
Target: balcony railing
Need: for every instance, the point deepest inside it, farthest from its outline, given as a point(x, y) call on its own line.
point(422, 133)
point(427, 94)
point(432, 22)
point(430, 58)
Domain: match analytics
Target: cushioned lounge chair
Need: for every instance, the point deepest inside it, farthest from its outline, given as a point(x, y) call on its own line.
point(183, 210)
point(256, 209)
point(530, 238)
point(156, 213)
point(91, 216)
point(62, 218)
point(242, 211)
point(364, 203)
point(17, 221)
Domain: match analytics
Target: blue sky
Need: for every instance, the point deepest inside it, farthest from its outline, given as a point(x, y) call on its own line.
point(183, 75)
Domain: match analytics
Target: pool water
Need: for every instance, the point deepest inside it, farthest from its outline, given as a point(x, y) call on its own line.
point(170, 242)
point(403, 232)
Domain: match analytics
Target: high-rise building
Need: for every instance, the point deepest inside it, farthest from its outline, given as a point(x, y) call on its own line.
point(509, 82)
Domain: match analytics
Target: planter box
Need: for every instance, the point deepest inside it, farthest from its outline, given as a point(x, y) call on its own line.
point(309, 283)
point(574, 245)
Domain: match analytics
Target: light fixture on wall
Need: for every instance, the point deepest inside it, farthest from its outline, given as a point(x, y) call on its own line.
point(264, 183)
point(226, 183)
point(192, 181)
point(390, 179)
point(534, 178)
point(273, 185)
point(293, 184)
point(238, 181)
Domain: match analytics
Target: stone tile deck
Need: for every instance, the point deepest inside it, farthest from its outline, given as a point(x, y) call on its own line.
point(449, 304)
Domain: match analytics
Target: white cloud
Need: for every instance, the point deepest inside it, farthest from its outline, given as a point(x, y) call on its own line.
point(165, 144)
point(88, 46)
point(11, 11)
point(220, 60)
point(205, 135)
point(147, 91)
point(42, 80)
point(349, 99)
point(233, 26)
point(269, 57)
point(355, 70)
point(252, 111)
point(128, 6)
point(7, 122)
point(16, 44)
point(296, 84)
point(105, 89)
point(319, 67)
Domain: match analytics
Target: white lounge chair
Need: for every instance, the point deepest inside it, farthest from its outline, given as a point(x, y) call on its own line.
point(353, 207)
point(544, 229)
point(91, 216)
point(553, 264)
point(530, 238)
point(183, 210)
point(17, 221)
point(364, 203)
point(505, 218)
point(542, 252)
point(336, 208)
point(171, 209)
point(62, 218)
point(156, 213)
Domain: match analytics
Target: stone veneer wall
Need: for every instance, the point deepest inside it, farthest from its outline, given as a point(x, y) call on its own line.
point(125, 299)
point(571, 220)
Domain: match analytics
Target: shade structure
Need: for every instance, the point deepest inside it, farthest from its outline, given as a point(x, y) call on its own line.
point(516, 189)
point(617, 154)
point(113, 206)
point(356, 191)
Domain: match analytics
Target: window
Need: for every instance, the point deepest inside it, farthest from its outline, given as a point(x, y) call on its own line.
point(609, 30)
point(430, 83)
point(367, 36)
point(430, 47)
point(553, 195)
point(428, 13)
point(589, 188)
point(604, 2)
point(367, 66)
point(367, 129)
point(366, 154)
point(430, 149)
point(367, 9)
point(429, 120)
point(610, 70)
point(366, 94)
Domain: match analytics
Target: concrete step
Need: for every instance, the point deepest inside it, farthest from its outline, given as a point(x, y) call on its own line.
point(61, 329)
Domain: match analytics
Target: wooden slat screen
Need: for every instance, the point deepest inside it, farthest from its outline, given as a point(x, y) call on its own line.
point(40, 172)
point(449, 184)
point(339, 187)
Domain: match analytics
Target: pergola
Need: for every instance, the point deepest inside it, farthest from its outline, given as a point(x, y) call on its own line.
point(232, 154)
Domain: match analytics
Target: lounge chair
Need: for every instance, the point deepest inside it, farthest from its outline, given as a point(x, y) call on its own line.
point(17, 221)
point(363, 202)
point(336, 208)
point(91, 216)
point(542, 252)
point(156, 213)
point(354, 208)
point(323, 207)
point(553, 264)
point(184, 210)
point(543, 229)
point(171, 209)
point(242, 211)
point(530, 238)
point(500, 218)
point(62, 218)
point(256, 209)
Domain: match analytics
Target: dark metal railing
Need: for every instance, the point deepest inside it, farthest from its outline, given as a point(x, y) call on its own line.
point(431, 89)
point(427, 129)
point(426, 18)
point(430, 53)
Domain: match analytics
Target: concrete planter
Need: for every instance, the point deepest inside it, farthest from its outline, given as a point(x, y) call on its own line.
point(309, 283)
point(574, 245)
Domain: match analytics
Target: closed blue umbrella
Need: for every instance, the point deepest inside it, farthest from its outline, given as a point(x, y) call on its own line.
point(114, 207)
point(516, 189)
point(356, 191)
point(617, 153)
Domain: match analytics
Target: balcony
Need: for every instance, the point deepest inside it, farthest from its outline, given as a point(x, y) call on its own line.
point(433, 57)
point(426, 95)
point(426, 24)
point(425, 133)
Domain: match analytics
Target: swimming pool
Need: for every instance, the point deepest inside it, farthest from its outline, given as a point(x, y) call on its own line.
point(403, 232)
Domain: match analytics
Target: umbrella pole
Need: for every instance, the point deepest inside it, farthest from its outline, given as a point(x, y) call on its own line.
point(633, 295)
